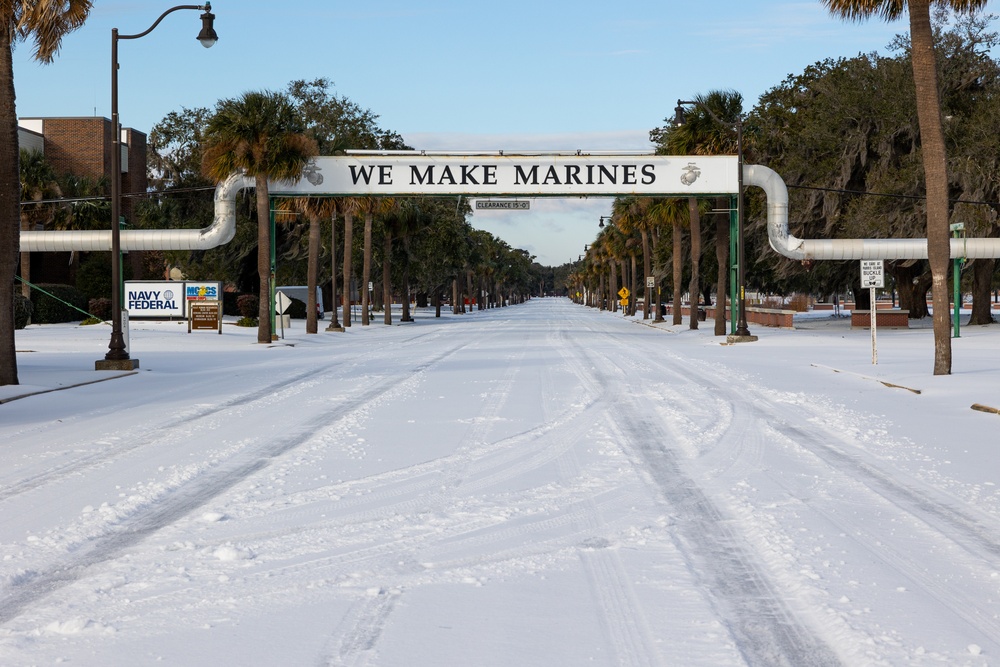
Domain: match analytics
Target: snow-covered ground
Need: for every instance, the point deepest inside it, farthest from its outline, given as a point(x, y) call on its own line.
point(537, 485)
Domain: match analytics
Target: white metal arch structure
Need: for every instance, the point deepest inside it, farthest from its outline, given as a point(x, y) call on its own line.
point(577, 174)
point(221, 231)
point(815, 249)
point(414, 173)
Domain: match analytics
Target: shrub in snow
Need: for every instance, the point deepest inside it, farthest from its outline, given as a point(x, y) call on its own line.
point(60, 306)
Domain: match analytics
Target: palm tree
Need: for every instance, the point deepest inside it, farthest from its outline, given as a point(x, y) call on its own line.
point(334, 323)
point(401, 222)
point(38, 183)
point(709, 129)
point(633, 215)
point(46, 22)
point(259, 133)
point(316, 209)
point(350, 206)
point(371, 206)
point(932, 144)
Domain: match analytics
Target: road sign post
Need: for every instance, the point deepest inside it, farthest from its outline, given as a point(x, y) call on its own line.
point(873, 277)
point(281, 303)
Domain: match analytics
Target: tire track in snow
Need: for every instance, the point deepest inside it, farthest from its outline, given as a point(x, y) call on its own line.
point(144, 435)
point(188, 497)
point(764, 630)
point(941, 521)
point(624, 619)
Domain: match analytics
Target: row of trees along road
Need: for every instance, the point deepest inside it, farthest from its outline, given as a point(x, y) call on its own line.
point(417, 245)
point(844, 135)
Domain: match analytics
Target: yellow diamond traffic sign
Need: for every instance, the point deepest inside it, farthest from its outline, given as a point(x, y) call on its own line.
point(623, 292)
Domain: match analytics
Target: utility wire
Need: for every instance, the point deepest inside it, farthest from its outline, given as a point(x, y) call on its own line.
point(151, 193)
point(888, 194)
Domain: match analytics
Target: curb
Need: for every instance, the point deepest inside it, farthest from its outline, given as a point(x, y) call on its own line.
point(68, 386)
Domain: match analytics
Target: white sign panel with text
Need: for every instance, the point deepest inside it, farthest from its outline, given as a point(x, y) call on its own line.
point(154, 299)
point(536, 175)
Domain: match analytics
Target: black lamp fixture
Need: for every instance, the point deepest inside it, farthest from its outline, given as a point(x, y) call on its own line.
point(742, 330)
point(207, 36)
point(117, 357)
point(603, 218)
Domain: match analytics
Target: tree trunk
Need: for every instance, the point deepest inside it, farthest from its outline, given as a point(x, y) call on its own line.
point(982, 278)
point(624, 283)
point(678, 274)
point(405, 317)
point(935, 175)
point(614, 286)
point(313, 269)
point(693, 289)
point(635, 288)
point(334, 324)
point(263, 261)
point(10, 209)
point(366, 270)
point(454, 296)
point(386, 282)
point(722, 259)
point(647, 270)
point(862, 297)
point(348, 247)
point(912, 284)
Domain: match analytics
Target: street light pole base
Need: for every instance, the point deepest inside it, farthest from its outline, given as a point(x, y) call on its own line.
point(733, 339)
point(333, 328)
point(116, 364)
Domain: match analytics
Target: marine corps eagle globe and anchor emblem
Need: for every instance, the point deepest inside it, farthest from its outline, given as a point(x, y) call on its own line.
point(691, 173)
point(311, 172)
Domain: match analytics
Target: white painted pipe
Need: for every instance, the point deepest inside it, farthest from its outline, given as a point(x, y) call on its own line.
point(223, 228)
point(221, 231)
point(815, 249)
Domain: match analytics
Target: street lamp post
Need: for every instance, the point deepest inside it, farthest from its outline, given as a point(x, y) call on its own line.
point(742, 330)
point(117, 357)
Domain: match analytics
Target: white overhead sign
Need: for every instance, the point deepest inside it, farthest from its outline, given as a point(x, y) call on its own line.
point(539, 175)
point(872, 273)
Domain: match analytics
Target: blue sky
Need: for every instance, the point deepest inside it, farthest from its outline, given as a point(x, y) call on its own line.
point(450, 74)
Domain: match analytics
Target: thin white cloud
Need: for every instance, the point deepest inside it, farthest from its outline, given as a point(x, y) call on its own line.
point(623, 140)
point(777, 25)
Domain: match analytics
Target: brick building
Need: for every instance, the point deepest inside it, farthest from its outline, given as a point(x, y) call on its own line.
point(82, 146)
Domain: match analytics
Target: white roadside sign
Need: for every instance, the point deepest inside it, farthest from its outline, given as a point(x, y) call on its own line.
point(873, 277)
point(872, 273)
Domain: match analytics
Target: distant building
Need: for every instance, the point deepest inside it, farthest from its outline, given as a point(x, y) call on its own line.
point(82, 146)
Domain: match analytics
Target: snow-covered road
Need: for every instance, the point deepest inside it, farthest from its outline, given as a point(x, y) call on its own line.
point(535, 485)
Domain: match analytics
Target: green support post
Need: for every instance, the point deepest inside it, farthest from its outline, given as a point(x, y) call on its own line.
point(957, 230)
point(274, 263)
point(734, 299)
